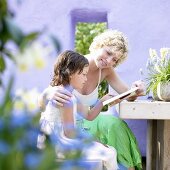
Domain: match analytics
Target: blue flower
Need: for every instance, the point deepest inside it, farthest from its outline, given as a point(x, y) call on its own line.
point(4, 148)
point(33, 160)
point(19, 121)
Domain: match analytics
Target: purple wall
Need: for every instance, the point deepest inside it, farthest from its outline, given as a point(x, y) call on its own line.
point(146, 24)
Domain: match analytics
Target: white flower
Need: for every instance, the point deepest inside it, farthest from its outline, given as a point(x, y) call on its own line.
point(164, 52)
point(156, 67)
point(39, 53)
point(155, 62)
point(33, 55)
point(25, 99)
point(152, 53)
point(23, 60)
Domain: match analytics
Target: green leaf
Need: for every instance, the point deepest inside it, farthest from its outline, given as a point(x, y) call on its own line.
point(28, 38)
point(8, 54)
point(6, 105)
point(4, 34)
point(3, 9)
point(2, 64)
point(56, 43)
point(14, 31)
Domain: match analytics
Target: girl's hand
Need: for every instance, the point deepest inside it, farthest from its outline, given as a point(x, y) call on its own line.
point(109, 96)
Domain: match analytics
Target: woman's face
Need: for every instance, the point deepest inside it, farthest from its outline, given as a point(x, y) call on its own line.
point(106, 58)
point(78, 80)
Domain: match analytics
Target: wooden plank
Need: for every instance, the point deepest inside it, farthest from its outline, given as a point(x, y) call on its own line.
point(144, 109)
point(160, 144)
point(149, 145)
point(165, 151)
point(151, 151)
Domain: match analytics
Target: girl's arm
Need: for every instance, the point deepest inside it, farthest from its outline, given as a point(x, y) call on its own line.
point(91, 113)
point(68, 120)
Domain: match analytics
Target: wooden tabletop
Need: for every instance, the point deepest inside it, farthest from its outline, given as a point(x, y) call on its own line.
point(144, 109)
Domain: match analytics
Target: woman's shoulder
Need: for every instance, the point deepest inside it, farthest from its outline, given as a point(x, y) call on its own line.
point(107, 72)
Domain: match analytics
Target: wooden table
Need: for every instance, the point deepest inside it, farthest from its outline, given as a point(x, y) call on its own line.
point(157, 114)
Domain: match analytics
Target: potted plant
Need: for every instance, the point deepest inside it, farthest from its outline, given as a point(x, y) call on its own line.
point(158, 77)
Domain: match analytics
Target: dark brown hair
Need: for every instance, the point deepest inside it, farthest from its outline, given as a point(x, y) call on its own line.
point(67, 63)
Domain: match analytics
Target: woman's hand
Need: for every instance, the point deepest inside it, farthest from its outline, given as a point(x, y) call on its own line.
point(59, 95)
point(140, 92)
point(141, 87)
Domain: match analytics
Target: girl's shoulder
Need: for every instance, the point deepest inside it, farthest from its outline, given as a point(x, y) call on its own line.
point(71, 102)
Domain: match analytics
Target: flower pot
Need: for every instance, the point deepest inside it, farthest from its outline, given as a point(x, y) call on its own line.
point(155, 96)
point(163, 91)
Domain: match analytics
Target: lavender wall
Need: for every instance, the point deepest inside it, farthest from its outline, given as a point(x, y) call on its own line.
point(146, 24)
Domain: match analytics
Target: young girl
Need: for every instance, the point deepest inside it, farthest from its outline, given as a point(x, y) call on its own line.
point(70, 71)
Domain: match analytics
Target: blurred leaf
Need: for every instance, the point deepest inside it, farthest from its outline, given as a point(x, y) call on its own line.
point(18, 133)
point(3, 9)
point(2, 64)
point(4, 34)
point(56, 43)
point(28, 38)
point(14, 31)
point(6, 104)
point(8, 54)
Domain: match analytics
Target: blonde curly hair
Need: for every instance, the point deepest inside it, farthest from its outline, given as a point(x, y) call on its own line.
point(114, 39)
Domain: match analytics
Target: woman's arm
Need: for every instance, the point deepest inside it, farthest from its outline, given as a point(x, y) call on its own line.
point(114, 81)
point(119, 86)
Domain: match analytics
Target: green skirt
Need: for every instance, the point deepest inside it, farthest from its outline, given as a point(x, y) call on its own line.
point(115, 132)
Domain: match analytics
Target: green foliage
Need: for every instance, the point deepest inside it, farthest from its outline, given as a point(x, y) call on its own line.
point(18, 132)
point(154, 78)
point(19, 129)
point(18, 136)
point(11, 32)
point(158, 69)
point(85, 32)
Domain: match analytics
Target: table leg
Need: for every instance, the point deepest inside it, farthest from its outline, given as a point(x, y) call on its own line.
point(151, 145)
point(163, 155)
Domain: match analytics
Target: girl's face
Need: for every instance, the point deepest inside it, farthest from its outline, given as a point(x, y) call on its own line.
point(78, 80)
point(106, 58)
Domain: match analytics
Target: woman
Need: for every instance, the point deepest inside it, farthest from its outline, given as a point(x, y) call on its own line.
point(107, 51)
point(70, 72)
